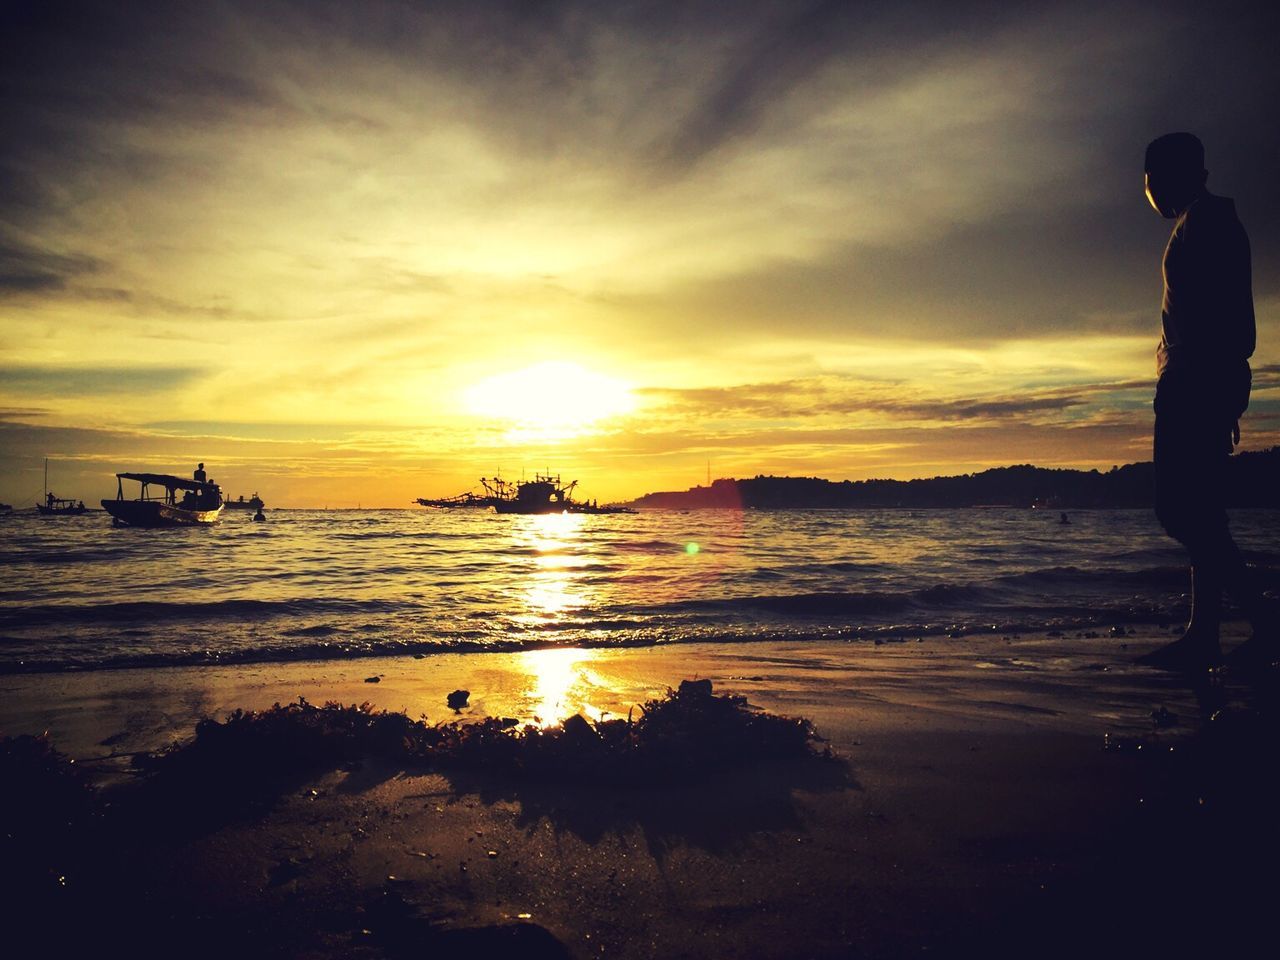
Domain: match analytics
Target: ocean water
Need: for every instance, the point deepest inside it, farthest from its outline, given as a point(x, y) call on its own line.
point(78, 593)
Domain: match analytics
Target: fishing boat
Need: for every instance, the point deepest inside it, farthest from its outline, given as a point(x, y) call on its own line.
point(545, 493)
point(253, 503)
point(199, 506)
point(55, 506)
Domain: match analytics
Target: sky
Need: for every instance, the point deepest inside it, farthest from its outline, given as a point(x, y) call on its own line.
point(354, 254)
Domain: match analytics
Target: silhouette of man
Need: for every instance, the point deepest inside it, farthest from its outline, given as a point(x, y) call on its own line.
point(199, 474)
point(1202, 388)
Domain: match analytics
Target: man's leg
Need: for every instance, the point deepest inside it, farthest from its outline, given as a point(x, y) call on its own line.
point(1190, 463)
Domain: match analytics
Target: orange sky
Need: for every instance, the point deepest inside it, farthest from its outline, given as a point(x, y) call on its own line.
point(363, 258)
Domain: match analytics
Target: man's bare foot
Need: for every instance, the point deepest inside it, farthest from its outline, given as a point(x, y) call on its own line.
point(1190, 653)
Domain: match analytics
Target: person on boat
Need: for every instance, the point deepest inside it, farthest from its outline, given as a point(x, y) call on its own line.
point(50, 498)
point(1202, 388)
point(199, 473)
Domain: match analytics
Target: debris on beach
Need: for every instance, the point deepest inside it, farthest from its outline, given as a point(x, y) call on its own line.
point(695, 688)
point(372, 679)
point(458, 699)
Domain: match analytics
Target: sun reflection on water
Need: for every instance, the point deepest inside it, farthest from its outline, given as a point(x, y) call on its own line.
point(552, 588)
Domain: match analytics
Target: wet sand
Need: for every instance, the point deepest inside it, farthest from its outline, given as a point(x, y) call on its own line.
point(992, 799)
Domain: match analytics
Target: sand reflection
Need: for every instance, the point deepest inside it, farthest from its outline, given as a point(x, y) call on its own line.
point(560, 683)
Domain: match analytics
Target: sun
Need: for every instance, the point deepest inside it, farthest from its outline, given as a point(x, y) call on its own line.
point(555, 397)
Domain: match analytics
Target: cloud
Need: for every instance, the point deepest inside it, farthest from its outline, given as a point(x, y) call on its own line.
point(91, 381)
point(23, 414)
point(800, 401)
point(918, 216)
point(32, 269)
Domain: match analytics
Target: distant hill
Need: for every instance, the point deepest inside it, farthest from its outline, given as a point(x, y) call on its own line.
point(1255, 482)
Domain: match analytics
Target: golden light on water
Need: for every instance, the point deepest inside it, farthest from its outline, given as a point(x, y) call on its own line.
point(559, 682)
point(552, 584)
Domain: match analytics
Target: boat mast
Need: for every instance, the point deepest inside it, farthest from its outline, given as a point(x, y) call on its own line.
point(46, 478)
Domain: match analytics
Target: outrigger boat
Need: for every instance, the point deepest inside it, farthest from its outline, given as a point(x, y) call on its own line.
point(55, 506)
point(201, 504)
point(543, 494)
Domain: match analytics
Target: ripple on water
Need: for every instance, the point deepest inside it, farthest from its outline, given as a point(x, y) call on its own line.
point(313, 583)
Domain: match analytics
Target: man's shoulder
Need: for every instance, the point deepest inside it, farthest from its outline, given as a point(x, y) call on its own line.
point(1212, 209)
point(1211, 216)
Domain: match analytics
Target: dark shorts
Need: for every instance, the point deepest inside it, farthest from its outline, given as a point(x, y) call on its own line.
point(1192, 448)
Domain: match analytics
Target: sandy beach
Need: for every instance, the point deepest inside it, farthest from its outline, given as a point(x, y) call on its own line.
point(1009, 796)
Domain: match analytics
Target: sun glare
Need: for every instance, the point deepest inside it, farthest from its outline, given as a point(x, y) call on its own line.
point(558, 683)
point(557, 396)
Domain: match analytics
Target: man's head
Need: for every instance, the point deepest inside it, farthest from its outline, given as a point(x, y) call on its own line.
point(1175, 173)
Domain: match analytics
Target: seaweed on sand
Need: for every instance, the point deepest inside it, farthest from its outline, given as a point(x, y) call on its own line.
point(114, 848)
point(49, 815)
point(687, 734)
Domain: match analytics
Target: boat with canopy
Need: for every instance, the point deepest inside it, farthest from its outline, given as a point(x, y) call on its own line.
point(159, 505)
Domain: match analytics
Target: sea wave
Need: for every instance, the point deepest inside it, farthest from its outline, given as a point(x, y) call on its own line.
point(80, 595)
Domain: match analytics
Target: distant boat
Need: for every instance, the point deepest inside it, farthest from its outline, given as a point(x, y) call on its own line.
point(6, 508)
point(54, 506)
point(200, 506)
point(543, 494)
point(253, 503)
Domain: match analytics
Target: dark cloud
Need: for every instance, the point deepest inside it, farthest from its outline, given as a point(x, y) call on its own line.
point(1011, 277)
point(88, 381)
point(798, 400)
point(784, 48)
point(76, 75)
point(23, 414)
point(1266, 377)
point(32, 269)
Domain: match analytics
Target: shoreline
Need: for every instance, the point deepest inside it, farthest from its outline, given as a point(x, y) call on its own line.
point(142, 708)
point(877, 634)
point(1008, 798)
